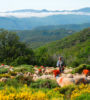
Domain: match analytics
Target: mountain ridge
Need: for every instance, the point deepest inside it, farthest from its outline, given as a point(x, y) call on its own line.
point(86, 9)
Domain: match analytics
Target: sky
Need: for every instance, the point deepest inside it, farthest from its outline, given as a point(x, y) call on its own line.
point(10, 5)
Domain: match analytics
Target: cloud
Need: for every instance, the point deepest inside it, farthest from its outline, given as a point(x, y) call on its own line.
point(42, 14)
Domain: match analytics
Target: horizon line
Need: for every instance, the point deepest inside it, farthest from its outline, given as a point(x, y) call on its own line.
point(44, 9)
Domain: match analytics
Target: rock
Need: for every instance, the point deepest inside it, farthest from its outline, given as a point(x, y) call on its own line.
point(49, 71)
point(37, 72)
point(6, 66)
point(12, 77)
point(43, 70)
point(63, 75)
point(11, 69)
point(20, 74)
point(88, 79)
point(27, 74)
point(35, 77)
point(68, 70)
point(62, 81)
point(69, 75)
point(80, 79)
point(47, 77)
point(3, 79)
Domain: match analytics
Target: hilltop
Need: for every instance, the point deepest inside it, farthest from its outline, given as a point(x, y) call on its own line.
point(74, 48)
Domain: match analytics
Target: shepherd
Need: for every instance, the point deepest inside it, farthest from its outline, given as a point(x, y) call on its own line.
point(60, 64)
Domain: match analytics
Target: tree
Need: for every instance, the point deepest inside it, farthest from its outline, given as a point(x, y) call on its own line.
point(11, 48)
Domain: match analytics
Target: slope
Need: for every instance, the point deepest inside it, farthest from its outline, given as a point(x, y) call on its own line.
point(37, 38)
point(75, 48)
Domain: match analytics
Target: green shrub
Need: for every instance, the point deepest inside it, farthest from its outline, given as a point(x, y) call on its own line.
point(67, 89)
point(54, 95)
point(75, 63)
point(18, 61)
point(2, 84)
point(44, 83)
point(80, 68)
point(24, 68)
point(3, 70)
point(13, 82)
point(85, 96)
point(24, 80)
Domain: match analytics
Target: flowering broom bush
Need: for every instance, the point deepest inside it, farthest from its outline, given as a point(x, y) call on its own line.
point(25, 93)
point(81, 92)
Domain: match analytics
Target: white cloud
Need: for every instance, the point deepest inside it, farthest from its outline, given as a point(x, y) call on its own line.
point(43, 14)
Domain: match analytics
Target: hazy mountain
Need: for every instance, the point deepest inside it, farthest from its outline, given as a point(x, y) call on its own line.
point(45, 10)
point(28, 19)
point(83, 10)
point(29, 10)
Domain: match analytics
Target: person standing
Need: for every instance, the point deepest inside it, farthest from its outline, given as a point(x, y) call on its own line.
point(60, 64)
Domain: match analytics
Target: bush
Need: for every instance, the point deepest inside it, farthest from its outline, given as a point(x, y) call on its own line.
point(75, 63)
point(80, 68)
point(5, 75)
point(44, 83)
point(81, 92)
point(84, 96)
point(12, 50)
point(24, 80)
point(18, 61)
point(11, 82)
point(24, 68)
point(2, 84)
point(25, 93)
point(13, 73)
point(3, 70)
point(67, 89)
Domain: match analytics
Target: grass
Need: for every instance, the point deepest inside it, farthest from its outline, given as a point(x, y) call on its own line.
point(3, 70)
point(44, 83)
point(24, 68)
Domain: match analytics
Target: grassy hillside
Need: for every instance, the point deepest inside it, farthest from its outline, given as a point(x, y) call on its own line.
point(75, 48)
point(37, 38)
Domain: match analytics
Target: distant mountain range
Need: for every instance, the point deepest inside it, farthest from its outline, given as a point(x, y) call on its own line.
point(28, 19)
point(45, 10)
point(83, 10)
